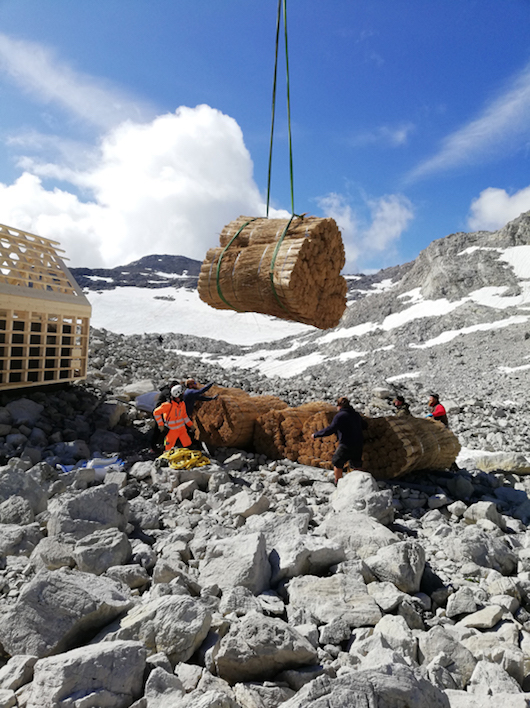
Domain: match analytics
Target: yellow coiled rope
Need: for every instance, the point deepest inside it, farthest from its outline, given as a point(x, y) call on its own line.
point(180, 458)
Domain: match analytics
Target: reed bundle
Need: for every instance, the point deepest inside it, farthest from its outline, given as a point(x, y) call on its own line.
point(392, 446)
point(229, 420)
point(279, 433)
point(293, 274)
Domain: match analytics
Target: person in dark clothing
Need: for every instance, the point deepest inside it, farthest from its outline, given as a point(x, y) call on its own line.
point(194, 393)
point(401, 406)
point(348, 426)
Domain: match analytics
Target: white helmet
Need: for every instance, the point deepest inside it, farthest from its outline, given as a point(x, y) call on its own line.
point(176, 391)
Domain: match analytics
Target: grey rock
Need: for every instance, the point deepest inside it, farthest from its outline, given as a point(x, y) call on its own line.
point(19, 540)
point(26, 484)
point(56, 608)
point(16, 510)
point(238, 600)
point(17, 672)
point(175, 625)
point(483, 619)
point(334, 596)
point(162, 689)
point(261, 695)
point(100, 550)
point(489, 679)
point(461, 602)
point(134, 576)
point(241, 560)
point(244, 653)
point(144, 514)
point(81, 514)
point(460, 661)
point(361, 535)
point(24, 411)
point(401, 687)
point(54, 552)
point(402, 564)
point(359, 491)
point(108, 675)
point(246, 504)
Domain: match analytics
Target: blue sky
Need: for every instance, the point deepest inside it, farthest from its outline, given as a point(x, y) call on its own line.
point(130, 127)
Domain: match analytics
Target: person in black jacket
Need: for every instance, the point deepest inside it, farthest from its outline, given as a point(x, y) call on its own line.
point(348, 426)
point(194, 393)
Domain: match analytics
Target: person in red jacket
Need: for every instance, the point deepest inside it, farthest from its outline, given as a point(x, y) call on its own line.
point(171, 415)
point(437, 410)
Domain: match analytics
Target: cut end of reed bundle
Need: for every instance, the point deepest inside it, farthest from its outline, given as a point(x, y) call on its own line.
point(292, 273)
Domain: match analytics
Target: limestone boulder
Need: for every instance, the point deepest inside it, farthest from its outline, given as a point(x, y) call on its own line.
point(16, 510)
point(371, 689)
point(359, 534)
point(24, 411)
point(163, 689)
point(335, 596)
point(28, 484)
point(103, 675)
point(245, 653)
point(19, 540)
point(54, 552)
point(246, 504)
point(133, 575)
point(238, 560)
point(506, 461)
point(173, 624)
point(17, 672)
point(94, 509)
point(460, 662)
point(359, 491)
point(101, 550)
point(56, 608)
point(402, 564)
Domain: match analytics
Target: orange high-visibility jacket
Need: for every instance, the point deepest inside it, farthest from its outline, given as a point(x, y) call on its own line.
point(173, 415)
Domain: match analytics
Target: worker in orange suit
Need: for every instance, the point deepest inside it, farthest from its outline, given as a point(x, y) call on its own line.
point(171, 416)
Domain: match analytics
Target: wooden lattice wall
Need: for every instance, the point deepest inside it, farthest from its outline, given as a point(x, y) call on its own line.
point(44, 316)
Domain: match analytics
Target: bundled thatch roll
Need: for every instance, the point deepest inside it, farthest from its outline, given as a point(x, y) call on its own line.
point(392, 446)
point(295, 276)
point(229, 420)
point(279, 433)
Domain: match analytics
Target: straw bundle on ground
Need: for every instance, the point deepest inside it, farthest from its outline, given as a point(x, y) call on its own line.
point(229, 420)
point(279, 433)
point(295, 276)
point(392, 446)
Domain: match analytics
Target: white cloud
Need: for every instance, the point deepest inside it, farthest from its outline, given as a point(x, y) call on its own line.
point(38, 72)
point(395, 136)
point(390, 216)
point(494, 208)
point(499, 128)
point(168, 186)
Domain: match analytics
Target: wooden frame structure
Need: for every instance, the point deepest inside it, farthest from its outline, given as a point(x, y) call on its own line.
point(44, 315)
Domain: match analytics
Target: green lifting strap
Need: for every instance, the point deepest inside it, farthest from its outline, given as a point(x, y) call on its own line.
point(218, 271)
point(281, 3)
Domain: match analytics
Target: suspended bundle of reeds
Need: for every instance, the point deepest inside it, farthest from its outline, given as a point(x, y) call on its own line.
point(229, 420)
point(292, 273)
point(392, 446)
point(279, 433)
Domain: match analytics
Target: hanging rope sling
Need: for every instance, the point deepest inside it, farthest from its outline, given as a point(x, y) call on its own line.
point(288, 268)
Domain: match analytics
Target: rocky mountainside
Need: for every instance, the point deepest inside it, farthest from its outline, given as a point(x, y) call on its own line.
point(148, 272)
point(251, 583)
